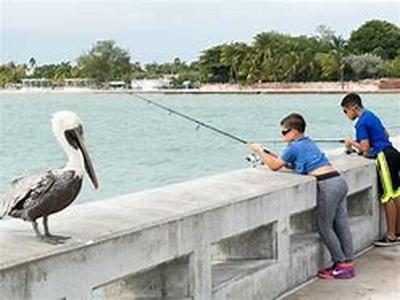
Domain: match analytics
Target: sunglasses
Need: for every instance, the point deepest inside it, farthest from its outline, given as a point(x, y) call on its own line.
point(286, 131)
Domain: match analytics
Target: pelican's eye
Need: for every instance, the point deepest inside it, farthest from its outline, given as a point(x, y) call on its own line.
point(71, 137)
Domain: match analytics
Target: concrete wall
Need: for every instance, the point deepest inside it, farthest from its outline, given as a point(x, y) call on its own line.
point(248, 234)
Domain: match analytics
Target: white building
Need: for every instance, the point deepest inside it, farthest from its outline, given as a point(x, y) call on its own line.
point(150, 84)
point(36, 83)
point(79, 82)
point(116, 84)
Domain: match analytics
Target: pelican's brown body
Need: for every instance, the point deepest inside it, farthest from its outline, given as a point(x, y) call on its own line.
point(46, 195)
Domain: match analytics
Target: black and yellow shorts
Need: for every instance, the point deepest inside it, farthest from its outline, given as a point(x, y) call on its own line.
point(388, 165)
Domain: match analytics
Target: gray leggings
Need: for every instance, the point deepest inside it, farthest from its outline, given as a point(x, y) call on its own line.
point(332, 219)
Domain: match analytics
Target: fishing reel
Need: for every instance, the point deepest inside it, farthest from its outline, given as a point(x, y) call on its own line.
point(254, 159)
point(352, 150)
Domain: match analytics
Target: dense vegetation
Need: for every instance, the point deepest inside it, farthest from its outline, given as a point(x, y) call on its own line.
point(372, 51)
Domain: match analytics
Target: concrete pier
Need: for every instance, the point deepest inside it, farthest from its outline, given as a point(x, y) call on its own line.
point(248, 234)
point(378, 277)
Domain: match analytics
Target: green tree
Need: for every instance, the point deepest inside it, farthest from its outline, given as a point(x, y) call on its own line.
point(55, 72)
point(32, 65)
point(137, 71)
point(285, 58)
point(191, 75)
point(32, 62)
point(391, 68)
point(211, 67)
point(377, 37)
point(233, 56)
point(12, 73)
point(364, 66)
point(268, 47)
point(330, 64)
point(106, 61)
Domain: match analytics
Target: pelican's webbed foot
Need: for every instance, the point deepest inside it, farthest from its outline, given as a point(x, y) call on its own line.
point(47, 237)
point(43, 237)
point(47, 234)
point(58, 238)
point(51, 240)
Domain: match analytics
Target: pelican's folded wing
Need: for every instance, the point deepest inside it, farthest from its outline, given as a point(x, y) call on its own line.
point(25, 190)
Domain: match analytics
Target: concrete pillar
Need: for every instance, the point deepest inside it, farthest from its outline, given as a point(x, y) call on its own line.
point(200, 273)
point(283, 240)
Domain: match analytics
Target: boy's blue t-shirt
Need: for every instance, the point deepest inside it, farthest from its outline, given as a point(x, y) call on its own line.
point(304, 156)
point(369, 127)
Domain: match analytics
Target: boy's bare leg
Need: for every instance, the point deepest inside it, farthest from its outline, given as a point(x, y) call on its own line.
point(391, 215)
point(397, 203)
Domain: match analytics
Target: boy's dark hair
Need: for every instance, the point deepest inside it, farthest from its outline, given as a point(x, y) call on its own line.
point(294, 121)
point(351, 99)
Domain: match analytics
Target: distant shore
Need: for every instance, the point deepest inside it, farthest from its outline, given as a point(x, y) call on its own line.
point(366, 86)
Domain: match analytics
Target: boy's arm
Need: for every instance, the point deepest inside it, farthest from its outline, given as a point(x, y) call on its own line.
point(362, 135)
point(362, 147)
point(269, 159)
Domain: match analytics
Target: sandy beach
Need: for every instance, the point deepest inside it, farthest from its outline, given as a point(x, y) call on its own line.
point(364, 86)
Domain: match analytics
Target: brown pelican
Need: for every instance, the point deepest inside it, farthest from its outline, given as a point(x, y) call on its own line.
point(35, 196)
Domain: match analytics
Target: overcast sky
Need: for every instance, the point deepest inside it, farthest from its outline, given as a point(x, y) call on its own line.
point(52, 31)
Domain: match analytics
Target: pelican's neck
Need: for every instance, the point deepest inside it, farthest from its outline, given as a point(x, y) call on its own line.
point(75, 157)
point(75, 162)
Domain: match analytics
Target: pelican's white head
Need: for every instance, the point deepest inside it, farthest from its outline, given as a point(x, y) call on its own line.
point(65, 120)
point(68, 128)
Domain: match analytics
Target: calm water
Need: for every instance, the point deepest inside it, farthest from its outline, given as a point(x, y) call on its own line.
point(136, 146)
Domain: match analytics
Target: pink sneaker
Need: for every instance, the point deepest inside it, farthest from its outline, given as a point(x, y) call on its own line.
point(339, 271)
point(325, 273)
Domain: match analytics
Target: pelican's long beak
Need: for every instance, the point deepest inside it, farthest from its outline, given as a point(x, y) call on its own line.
point(74, 138)
point(87, 161)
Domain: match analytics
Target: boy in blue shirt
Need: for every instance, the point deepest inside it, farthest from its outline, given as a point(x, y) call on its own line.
point(372, 140)
point(304, 157)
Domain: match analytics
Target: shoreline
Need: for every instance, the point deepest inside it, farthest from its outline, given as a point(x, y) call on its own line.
point(199, 91)
point(381, 86)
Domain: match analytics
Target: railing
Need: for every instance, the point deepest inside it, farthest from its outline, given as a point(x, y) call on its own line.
point(248, 234)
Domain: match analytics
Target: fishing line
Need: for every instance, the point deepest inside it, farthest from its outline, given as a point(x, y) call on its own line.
point(194, 120)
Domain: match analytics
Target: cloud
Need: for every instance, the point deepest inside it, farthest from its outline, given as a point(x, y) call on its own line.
point(159, 30)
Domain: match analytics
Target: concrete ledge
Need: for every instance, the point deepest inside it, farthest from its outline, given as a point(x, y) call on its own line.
point(194, 240)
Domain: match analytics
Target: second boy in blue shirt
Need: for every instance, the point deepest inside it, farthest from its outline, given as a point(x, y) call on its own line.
point(372, 140)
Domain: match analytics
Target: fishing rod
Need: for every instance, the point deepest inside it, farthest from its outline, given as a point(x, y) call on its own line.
point(277, 141)
point(198, 122)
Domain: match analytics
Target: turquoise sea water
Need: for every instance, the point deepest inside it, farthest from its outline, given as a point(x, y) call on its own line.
point(135, 146)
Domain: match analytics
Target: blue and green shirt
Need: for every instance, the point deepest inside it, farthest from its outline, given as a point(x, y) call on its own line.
point(369, 127)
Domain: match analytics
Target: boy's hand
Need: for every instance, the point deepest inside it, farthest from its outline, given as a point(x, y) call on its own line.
point(255, 147)
point(348, 143)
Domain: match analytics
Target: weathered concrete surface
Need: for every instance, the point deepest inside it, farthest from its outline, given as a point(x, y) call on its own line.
point(378, 278)
point(206, 231)
point(129, 234)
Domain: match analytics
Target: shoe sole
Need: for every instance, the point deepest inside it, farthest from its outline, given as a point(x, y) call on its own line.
point(344, 275)
point(390, 244)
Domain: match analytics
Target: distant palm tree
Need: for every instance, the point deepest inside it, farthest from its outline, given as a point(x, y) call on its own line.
point(32, 66)
point(339, 45)
point(32, 62)
point(233, 56)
